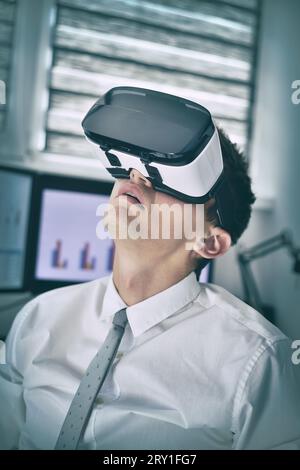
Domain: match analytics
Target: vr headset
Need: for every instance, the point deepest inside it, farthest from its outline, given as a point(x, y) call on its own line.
point(173, 142)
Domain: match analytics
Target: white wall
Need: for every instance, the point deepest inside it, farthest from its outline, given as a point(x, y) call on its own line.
point(275, 163)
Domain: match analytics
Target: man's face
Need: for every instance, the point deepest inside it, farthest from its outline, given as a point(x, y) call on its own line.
point(163, 222)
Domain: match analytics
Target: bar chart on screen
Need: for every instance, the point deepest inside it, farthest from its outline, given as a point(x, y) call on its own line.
point(68, 246)
point(56, 256)
point(84, 258)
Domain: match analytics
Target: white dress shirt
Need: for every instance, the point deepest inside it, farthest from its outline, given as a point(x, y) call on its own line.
point(197, 368)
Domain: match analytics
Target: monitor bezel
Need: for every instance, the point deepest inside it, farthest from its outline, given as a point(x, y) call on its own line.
point(55, 182)
point(25, 281)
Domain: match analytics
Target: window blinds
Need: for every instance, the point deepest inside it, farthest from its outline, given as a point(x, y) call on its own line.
point(201, 50)
point(7, 21)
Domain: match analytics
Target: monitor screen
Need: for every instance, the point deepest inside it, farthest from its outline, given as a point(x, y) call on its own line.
point(68, 249)
point(15, 198)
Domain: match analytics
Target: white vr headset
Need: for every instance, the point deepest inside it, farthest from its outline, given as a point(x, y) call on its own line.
point(173, 142)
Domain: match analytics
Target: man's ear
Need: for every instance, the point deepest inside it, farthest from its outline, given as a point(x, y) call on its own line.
point(216, 244)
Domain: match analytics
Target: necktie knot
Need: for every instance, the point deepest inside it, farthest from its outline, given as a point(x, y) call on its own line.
point(120, 318)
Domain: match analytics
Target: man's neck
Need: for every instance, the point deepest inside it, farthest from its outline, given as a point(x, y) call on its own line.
point(139, 277)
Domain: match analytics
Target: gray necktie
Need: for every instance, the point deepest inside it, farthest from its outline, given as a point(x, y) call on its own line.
point(82, 404)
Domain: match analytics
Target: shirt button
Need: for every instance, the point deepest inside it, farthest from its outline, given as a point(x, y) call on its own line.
point(119, 355)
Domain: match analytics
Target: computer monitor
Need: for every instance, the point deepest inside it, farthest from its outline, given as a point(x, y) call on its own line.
point(65, 247)
point(15, 203)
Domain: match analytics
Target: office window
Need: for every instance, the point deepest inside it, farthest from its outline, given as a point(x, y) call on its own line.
point(7, 22)
point(202, 50)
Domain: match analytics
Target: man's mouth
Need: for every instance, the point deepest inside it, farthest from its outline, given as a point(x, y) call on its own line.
point(131, 197)
point(133, 193)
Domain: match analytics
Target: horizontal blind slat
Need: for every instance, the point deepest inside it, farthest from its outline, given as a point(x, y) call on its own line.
point(6, 32)
point(7, 18)
point(89, 83)
point(240, 11)
point(210, 8)
point(250, 4)
point(69, 145)
point(241, 4)
point(96, 64)
point(99, 23)
point(216, 24)
point(3, 74)
point(222, 104)
point(237, 130)
point(5, 56)
point(169, 57)
point(7, 11)
point(2, 117)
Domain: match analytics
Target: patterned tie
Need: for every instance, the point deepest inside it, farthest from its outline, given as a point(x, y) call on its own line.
point(82, 404)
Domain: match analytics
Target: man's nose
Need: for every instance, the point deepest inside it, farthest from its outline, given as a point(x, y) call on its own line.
point(139, 178)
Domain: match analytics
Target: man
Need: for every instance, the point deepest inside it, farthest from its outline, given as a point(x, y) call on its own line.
point(196, 368)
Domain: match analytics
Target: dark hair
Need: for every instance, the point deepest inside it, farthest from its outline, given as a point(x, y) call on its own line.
point(241, 196)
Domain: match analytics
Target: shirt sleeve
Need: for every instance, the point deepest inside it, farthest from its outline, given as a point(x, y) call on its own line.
point(267, 404)
point(12, 406)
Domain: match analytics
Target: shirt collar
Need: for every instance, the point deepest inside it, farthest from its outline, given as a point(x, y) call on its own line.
point(151, 311)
